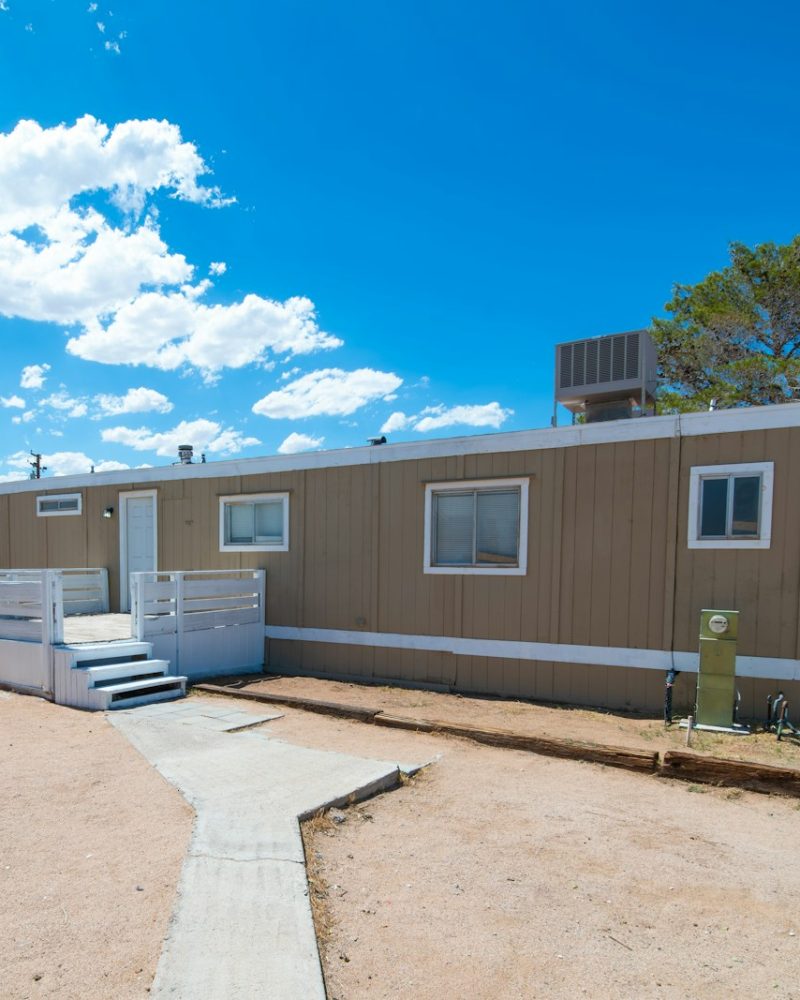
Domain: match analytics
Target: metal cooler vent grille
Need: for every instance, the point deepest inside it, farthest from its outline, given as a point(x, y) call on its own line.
point(594, 362)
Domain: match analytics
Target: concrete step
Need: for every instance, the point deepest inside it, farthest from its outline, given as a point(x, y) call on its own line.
point(137, 692)
point(130, 670)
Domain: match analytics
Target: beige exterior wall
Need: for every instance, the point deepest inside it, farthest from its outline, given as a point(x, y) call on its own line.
point(608, 563)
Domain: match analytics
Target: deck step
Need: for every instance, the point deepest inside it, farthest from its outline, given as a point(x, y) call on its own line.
point(101, 676)
point(119, 651)
point(115, 690)
point(148, 698)
point(137, 692)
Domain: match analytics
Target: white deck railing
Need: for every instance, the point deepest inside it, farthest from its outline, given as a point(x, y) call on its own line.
point(31, 605)
point(31, 622)
point(85, 591)
point(203, 621)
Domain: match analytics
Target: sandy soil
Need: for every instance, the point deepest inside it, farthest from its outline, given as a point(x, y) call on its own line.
point(91, 846)
point(610, 728)
point(499, 875)
point(494, 875)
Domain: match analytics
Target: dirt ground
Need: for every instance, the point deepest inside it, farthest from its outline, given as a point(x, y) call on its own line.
point(494, 875)
point(91, 845)
point(564, 722)
point(502, 875)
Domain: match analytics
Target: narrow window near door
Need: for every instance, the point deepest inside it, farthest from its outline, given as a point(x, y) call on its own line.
point(59, 505)
point(730, 506)
point(476, 527)
point(254, 523)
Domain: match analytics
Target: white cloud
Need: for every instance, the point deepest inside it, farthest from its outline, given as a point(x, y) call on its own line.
point(231, 442)
point(101, 27)
point(16, 401)
point(435, 417)
point(112, 47)
point(299, 442)
point(217, 267)
point(110, 466)
point(59, 463)
point(26, 417)
point(92, 8)
point(33, 376)
point(80, 268)
point(66, 404)
point(169, 330)
point(141, 400)
point(43, 169)
point(204, 435)
point(327, 392)
point(136, 300)
point(396, 421)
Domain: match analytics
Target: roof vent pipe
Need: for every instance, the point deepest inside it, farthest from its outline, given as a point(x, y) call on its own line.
point(185, 452)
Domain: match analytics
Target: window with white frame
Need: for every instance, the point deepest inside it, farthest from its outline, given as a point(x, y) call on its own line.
point(480, 526)
point(254, 523)
point(730, 506)
point(58, 505)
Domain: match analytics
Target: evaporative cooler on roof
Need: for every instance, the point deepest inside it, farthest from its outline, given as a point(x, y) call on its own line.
point(606, 377)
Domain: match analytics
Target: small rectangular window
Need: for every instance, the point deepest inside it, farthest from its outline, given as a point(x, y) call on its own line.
point(476, 527)
point(257, 523)
point(59, 505)
point(731, 506)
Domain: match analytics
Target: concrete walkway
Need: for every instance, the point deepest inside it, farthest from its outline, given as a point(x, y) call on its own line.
point(242, 925)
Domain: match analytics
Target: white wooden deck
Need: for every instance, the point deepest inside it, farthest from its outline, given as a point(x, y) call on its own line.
point(96, 628)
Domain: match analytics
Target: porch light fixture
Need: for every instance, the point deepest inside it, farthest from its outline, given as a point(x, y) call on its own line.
point(108, 512)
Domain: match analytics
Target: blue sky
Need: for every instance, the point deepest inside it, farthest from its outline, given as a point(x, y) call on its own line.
point(412, 205)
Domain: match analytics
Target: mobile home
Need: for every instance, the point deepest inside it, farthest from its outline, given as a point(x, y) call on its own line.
point(565, 564)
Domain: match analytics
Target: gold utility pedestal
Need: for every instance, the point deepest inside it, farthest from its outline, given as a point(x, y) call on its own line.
point(716, 675)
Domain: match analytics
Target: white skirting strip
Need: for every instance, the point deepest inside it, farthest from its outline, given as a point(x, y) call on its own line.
point(604, 656)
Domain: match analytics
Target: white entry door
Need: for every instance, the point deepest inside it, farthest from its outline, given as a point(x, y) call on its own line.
point(138, 540)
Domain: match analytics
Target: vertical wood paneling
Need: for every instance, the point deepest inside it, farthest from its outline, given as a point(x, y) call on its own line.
point(5, 520)
point(580, 631)
point(601, 550)
point(568, 538)
point(633, 617)
point(622, 552)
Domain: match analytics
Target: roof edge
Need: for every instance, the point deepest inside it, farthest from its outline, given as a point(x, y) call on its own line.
point(636, 429)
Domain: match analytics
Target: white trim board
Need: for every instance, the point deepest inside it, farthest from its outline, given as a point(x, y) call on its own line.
point(753, 418)
point(602, 656)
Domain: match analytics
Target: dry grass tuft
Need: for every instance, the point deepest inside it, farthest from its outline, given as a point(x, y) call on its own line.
point(320, 825)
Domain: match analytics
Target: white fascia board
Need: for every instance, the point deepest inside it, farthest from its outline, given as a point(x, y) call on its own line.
point(614, 431)
point(746, 418)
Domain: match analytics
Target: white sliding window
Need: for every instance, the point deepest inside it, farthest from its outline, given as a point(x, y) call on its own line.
point(730, 506)
point(254, 523)
point(476, 527)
